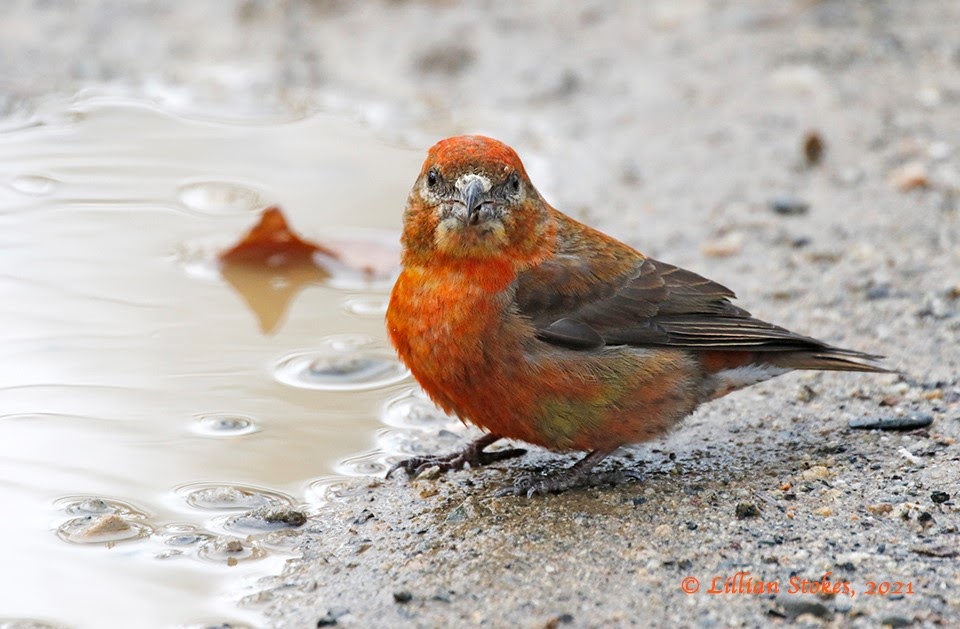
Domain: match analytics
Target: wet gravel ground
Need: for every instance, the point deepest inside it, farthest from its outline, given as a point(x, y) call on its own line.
point(806, 154)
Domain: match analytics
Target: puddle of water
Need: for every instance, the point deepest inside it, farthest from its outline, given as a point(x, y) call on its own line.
point(142, 407)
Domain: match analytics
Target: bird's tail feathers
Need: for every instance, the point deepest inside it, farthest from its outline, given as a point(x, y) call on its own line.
point(829, 359)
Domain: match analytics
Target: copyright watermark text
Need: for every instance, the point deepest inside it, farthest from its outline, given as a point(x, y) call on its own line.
point(743, 583)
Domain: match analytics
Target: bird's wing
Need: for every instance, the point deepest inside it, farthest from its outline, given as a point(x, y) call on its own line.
point(652, 304)
point(608, 294)
point(596, 291)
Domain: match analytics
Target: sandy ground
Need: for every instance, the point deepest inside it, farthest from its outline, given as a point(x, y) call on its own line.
point(672, 125)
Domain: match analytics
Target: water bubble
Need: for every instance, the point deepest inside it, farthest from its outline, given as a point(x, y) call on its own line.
point(403, 442)
point(214, 497)
point(168, 554)
point(229, 550)
point(102, 529)
point(90, 506)
point(183, 535)
point(187, 539)
point(371, 464)
point(418, 442)
point(412, 410)
point(219, 197)
point(339, 490)
point(266, 519)
point(341, 364)
point(34, 184)
point(95, 505)
point(282, 541)
point(224, 425)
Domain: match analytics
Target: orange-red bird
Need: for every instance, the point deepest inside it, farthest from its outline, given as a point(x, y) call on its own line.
point(535, 327)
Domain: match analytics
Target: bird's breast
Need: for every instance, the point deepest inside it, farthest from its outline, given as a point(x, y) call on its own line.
point(455, 334)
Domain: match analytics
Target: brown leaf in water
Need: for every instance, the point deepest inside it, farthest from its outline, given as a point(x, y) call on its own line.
point(271, 265)
point(271, 243)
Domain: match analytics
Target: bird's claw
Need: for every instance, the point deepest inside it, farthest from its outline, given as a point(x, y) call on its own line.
point(471, 456)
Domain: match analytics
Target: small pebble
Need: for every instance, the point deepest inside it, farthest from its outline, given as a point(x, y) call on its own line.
point(909, 177)
point(232, 546)
point(813, 147)
point(815, 473)
point(798, 607)
point(364, 517)
point(935, 551)
point(880, 291)
point(556, 621)
point(912, 421)
point(330, 619)
point(402, 597)
point(880, 509)
point(106, 524)
point(939, 497)
point(267, 518)
point(895, 622)
point(288, 517)
point(806, 394)
point(723, 247)
point(789, 206)
point(910, 456)
point(430, 473)
point(428, 492)
point(831, 495)
point(446, 60)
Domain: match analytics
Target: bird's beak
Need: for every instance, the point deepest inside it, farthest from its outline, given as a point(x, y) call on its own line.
point(473, 199)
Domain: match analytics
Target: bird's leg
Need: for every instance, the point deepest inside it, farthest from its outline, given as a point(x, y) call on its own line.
point(473, 455)
point(578, 474)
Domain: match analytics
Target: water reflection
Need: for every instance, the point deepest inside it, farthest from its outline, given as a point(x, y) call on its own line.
point(268, 293)
point(271, 264)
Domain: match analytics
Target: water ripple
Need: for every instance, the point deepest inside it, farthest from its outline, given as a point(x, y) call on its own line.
point(37, 185)
point(342, 363)
point(227, 496)
point(224, 425)
point(219, 197)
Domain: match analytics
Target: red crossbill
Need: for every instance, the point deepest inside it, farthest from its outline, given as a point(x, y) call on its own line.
point(535, 327)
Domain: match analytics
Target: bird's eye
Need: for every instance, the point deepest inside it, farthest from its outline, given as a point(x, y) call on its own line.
point(433, 177)
point(514, 183)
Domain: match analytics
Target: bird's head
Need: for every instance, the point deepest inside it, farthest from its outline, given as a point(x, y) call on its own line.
point(474, 201)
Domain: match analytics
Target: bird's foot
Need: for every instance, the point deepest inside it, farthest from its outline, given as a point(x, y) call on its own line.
point(579, 474)
point(473, 455)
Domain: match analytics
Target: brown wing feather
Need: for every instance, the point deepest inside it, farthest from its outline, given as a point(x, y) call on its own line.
point(652, 304)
